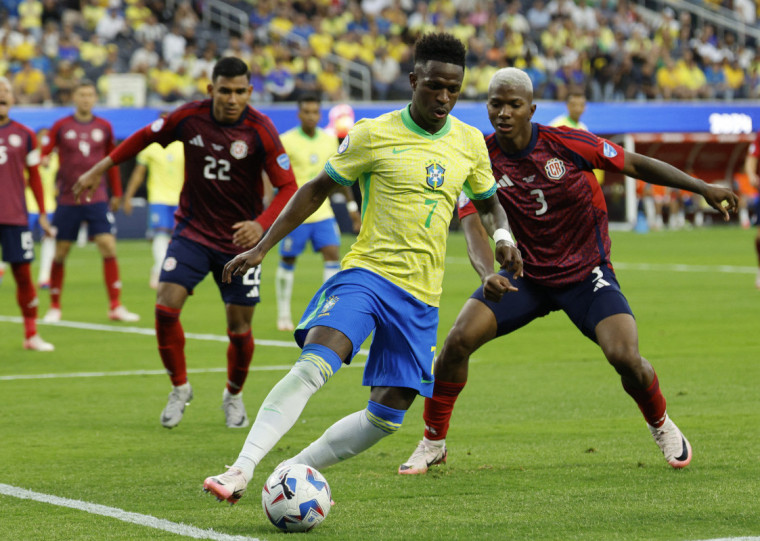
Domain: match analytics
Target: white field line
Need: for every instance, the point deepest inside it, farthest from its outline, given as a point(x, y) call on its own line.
point(119, 514)
point(731, 269)
point(148, 332)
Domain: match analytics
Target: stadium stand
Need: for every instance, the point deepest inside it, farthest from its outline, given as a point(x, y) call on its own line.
point(349, 49)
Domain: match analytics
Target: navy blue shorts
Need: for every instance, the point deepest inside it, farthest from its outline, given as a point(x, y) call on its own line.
point(17, 243)
point(586, 303)
point(68, 218)
point(188, 262)
point(358, 302)
point(321, 234)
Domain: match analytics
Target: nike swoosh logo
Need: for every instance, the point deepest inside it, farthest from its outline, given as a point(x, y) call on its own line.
point(400, 150)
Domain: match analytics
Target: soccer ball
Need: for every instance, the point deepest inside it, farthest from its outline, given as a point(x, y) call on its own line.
point(296, 498)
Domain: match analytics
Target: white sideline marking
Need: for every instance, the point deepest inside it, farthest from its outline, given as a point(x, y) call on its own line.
point(119, 514)
point(145, 331)
point(731, 269)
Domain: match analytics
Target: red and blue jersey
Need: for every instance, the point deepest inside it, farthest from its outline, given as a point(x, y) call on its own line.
point(224, 164)
point(554, 203)
point(80, 146)
point(18, 153)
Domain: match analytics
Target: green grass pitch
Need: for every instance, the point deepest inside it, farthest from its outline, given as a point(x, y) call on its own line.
point(544, 443)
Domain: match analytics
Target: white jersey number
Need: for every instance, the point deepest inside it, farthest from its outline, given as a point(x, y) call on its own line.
point(540, 199)
point(253, 278)
point(216, 169)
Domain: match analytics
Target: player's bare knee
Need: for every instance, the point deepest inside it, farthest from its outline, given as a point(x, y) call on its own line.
point(624, 357)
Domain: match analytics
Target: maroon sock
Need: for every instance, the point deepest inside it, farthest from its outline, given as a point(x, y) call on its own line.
point(438, 409)
point(171, 343)
point(239, 355)
point(26, 296)
point(56, 284)
point(651, 402)
point(113, 284)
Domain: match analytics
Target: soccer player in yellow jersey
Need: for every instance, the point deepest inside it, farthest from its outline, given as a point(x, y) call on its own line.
point(165, 171)
point(48, 171)
point(309, 147)
point(412, 165)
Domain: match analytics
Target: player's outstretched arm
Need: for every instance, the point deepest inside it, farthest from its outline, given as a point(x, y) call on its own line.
point(658, 172)
point(495, 221)
point(306, 200)
point(481, 257)
point(88, 181)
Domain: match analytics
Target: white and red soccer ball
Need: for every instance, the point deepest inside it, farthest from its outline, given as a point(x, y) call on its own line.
point(296, 498)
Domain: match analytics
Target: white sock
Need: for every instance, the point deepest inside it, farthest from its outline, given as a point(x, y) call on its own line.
point(278, 413)
point(284, 289)
point(744, 217)
point(331, 269)
point(650, 211)
point(346, 438)
point(82, 235)
point(159, 247)
point(47, 253)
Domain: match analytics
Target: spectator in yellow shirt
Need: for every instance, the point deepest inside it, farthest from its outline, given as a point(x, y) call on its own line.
point(29, 85)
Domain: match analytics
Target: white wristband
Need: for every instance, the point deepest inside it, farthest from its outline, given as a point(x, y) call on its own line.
point(351, 206)
point(503, 234)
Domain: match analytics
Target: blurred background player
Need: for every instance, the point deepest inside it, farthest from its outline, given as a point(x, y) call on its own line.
point(309, 147)
point(165, 171)
point(228, 146)
point(576, 106)
point(750, 169)
point(83, 139)
point(19, 157)
point(48, 172)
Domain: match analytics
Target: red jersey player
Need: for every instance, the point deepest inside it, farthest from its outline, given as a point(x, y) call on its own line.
point(750, 168)
point(19, 155)
point(558, 214)
point(228, 146)
point(82, 139)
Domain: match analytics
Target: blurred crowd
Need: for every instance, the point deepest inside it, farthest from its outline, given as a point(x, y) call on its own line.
point(605, 48)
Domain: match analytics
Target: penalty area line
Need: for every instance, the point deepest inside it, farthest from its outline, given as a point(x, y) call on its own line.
point(147, 521)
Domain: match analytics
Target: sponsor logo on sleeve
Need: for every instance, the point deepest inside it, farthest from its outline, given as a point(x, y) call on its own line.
point(157, 125)
point(344, 145)
point(283, 160)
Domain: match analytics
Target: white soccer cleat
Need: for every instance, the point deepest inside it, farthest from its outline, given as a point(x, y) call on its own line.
point(234, 410)
point(672, 443)
point(425, 455)
point(175, 407)
point(120, 313)
point(53, 315)
point(229, 486)
point(36, 343)
point(285, 324)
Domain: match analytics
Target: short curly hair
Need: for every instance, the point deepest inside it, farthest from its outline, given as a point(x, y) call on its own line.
point(440, 47)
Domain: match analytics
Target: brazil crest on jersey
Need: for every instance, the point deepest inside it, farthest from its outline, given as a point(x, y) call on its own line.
point(410, 180)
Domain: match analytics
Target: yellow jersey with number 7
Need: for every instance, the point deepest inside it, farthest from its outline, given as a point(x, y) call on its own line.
point(410, 181)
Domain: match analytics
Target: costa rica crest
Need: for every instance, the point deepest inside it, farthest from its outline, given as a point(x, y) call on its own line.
point(239, 149)
point(555, 168)
point(435, 173)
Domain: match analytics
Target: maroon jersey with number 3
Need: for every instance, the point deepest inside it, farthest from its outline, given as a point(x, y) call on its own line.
point(554, 203)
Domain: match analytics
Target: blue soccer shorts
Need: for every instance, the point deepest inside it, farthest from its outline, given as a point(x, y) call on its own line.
point(161, 216)
point(357, 302)
point(188, 262)
point(17, 243)
point(68, 218)
point(586, 303)
point(321, 234)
